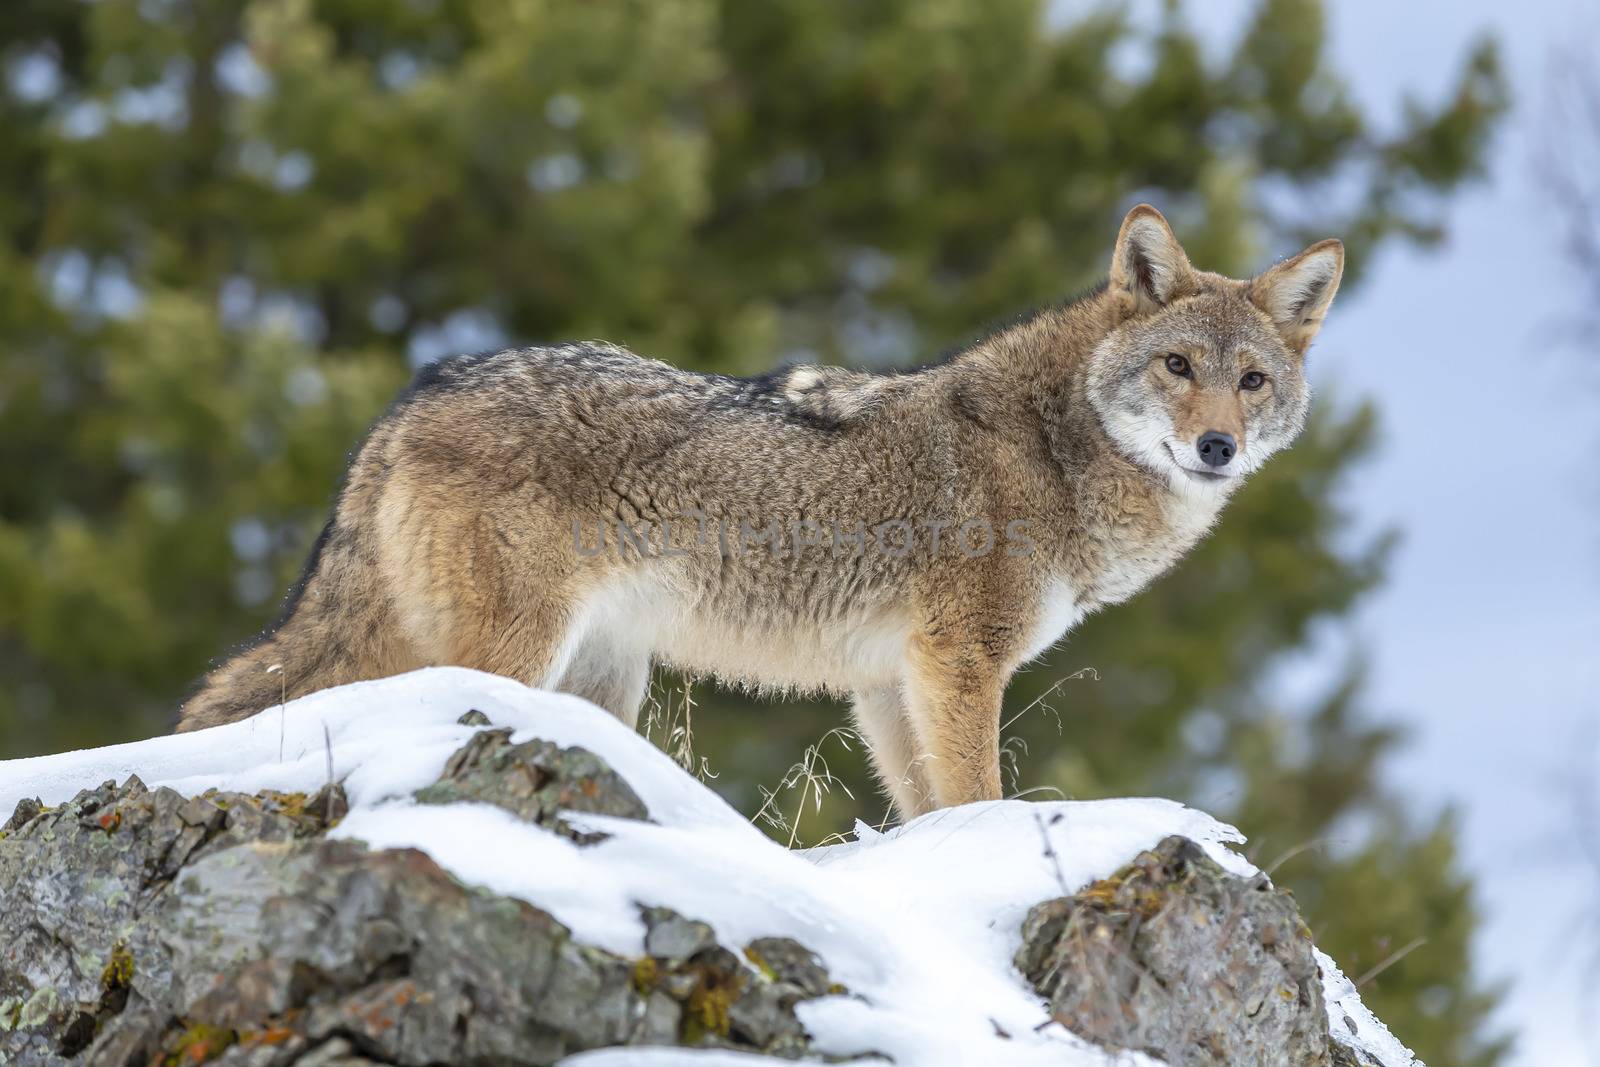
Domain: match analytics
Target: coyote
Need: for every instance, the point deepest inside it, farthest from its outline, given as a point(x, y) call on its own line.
point(569, 515)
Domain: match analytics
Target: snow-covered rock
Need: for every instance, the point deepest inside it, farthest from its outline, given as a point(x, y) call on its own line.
point(564, 900)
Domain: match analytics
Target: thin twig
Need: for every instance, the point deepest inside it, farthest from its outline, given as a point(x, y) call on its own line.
point(283, 698)
point(1050, 852)
point(1390, 960)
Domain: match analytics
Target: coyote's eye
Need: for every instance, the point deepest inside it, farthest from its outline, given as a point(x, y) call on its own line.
point(1253, 381)
point(1177, 364)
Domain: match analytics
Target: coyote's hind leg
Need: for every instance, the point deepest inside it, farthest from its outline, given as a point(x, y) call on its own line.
point(610, 672)
point(880, 717)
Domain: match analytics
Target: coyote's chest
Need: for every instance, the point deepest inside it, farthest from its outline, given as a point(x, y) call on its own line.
point(1126, 552)
point(1059, 610)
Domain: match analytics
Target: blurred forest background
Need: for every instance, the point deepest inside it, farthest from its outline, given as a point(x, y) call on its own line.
point(229, 231)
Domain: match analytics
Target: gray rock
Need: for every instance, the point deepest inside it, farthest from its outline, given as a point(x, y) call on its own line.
point(675, 938)
point(76, 880)
point(1175, 957)
point(144, 927)
point(535, 781)
point(25, 811)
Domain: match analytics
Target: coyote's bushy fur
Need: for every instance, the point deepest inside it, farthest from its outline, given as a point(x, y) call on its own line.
point(569, 515)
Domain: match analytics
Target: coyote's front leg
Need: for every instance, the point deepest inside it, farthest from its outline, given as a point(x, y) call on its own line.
point(953, 694)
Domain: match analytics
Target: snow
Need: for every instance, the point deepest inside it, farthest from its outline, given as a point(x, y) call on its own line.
point(919, 923)
point(1350, 1022)
point(677, 1057)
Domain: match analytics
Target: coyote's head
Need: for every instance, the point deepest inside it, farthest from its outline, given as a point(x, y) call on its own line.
point(1204, 377)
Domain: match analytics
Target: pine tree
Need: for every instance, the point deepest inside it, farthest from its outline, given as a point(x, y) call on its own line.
point(230, 228)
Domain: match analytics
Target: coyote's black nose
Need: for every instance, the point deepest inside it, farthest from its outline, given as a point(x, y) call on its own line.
point(1215, 448)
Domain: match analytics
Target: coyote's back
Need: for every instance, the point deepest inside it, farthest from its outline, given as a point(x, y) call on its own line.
point(491, 497)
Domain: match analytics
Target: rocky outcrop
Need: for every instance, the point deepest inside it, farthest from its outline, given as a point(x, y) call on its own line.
point(1175, 957)
point(142, 927)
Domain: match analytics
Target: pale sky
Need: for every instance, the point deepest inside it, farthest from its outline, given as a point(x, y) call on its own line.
point(1486, 640)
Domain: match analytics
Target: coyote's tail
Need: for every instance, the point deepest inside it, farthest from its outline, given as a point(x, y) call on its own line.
point(327, 635)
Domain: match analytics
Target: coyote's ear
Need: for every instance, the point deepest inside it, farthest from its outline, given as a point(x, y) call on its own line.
point(1297, 292)
point(1149, 266)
